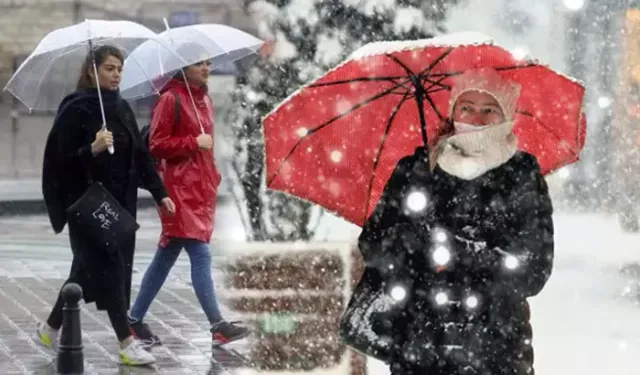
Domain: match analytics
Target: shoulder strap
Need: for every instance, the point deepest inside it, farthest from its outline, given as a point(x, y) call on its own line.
point(176, 109)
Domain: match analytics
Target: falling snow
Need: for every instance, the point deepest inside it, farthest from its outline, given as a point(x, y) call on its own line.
point(575, 37)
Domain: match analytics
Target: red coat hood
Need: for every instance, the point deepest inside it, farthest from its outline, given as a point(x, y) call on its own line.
point(179, 85)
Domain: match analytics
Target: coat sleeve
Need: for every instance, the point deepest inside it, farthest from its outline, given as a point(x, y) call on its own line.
point(531, 240)
point(378, 232)
point(149, 175)
point(162, 143)
point(71, 141)
point(67, 161)
point(146, 166)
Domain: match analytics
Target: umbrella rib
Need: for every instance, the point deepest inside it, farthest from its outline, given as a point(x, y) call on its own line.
point(433, 105)
point(402, 81)
point(410, 73)
point(436, 61)
point(43, 75)
point(429, 100)
point(376, 162)
point(351, 80)
point(512, 67)
point(436, 90)
point(146, 75)
point(446, 75)
point(80, 45)
point(403, 87)
point(438, 83)
point(388, 78)
point(65, 52)
point(419, 93)
point(561, 141)
point(329, 122)
point(354, 108)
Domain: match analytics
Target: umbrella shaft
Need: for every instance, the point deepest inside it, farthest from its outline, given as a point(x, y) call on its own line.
point(97, 78)
point(419, 100)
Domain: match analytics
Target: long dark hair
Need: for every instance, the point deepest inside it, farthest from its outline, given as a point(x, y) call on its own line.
point(100, 54)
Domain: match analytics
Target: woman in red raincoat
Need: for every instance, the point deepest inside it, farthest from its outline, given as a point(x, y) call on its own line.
point(180, 140)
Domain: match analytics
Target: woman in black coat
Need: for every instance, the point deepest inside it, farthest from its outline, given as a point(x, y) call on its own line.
point(461, 237)
point(76, 154)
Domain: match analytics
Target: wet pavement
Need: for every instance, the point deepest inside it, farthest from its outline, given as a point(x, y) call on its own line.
point(33, 265)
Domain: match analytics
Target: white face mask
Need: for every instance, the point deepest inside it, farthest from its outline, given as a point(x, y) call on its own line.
point(461, 127)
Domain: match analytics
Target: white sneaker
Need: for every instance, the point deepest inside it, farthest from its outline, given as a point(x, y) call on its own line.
point(135, 355)
point(46, 337)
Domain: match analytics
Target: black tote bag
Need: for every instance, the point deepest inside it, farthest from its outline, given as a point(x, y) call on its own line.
point(368, 306)
point(101, 217)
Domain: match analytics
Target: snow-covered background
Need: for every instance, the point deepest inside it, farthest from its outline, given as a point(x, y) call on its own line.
point(586, 321)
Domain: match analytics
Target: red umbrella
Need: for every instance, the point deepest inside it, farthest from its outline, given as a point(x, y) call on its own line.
point(336, 141)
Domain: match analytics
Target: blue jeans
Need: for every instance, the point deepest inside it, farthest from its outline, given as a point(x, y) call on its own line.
point(157, 272)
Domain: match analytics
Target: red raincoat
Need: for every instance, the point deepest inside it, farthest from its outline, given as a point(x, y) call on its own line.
point(189, 174)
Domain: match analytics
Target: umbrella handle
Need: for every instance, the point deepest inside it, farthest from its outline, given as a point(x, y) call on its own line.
point(95, 73)
point(110, 148)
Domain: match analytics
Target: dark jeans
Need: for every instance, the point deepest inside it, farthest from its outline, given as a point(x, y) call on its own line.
point(164, 259)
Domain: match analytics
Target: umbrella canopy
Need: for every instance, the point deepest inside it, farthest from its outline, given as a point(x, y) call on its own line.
point(52, 70)
point(336, 141)
point(220, 44)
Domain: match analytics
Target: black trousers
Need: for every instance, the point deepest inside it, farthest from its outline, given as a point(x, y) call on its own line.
point(102, 276)
point(117, 316)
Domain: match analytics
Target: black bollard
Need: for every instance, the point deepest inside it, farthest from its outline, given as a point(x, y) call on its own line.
point(70, 355)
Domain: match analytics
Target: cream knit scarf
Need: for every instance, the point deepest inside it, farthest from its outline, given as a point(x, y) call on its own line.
point(473, 151)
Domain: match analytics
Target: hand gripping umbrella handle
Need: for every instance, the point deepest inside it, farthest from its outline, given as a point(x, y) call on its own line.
point(110, 148)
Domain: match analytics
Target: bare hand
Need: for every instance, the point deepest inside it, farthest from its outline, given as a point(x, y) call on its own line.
point(168, 206)
point(205, 142)
point(104, 140)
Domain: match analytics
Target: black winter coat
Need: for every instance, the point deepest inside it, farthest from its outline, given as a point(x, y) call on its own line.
point(67, 169)
point(506, 208)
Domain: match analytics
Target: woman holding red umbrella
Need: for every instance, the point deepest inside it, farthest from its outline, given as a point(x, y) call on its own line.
point(457, 235)
point(460, 238)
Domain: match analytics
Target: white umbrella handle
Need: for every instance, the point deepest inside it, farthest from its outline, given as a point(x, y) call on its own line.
point(95, 72)
point(186, 82)
point(104, 118)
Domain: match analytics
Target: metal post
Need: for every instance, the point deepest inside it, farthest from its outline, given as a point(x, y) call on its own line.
point(70, 355)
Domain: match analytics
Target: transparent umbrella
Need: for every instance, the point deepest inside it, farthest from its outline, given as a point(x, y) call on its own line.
point(150, 66)
point(52, 70)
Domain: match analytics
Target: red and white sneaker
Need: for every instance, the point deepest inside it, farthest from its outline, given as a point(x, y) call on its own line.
point(225, 332)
